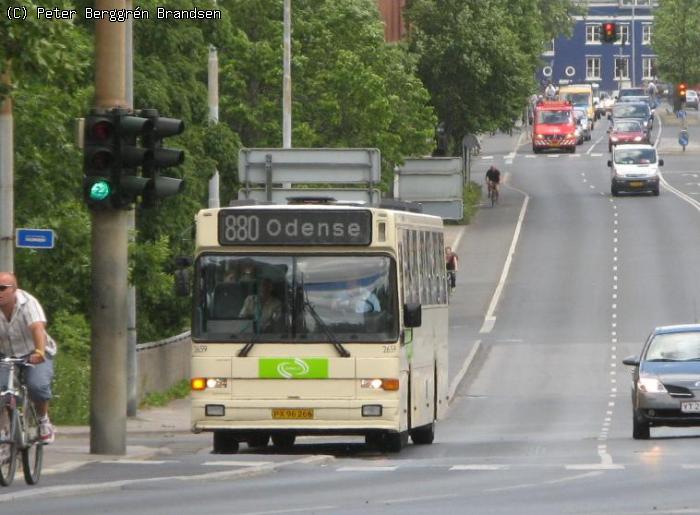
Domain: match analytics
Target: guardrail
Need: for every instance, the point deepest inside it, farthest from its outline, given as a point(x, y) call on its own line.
point(163, 363)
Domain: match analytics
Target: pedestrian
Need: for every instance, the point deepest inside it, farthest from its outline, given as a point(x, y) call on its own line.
point(23, 334)
point(452, 265)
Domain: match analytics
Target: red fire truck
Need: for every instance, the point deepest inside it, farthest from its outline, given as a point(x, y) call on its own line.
point(553, 126)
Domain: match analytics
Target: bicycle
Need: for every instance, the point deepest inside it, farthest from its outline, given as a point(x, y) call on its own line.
point(493, 193)
point(19, 425)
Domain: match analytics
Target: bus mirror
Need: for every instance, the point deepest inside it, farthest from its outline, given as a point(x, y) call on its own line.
point(412, 315)
point(182, 282)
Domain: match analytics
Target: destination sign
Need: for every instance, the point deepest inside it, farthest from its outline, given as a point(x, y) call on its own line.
point(298, 227)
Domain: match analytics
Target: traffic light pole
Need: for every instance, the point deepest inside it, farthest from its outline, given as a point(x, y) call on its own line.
point(109, 264)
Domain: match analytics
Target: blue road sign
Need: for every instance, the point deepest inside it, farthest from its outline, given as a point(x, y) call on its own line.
point(35, 238)
point(683, 138)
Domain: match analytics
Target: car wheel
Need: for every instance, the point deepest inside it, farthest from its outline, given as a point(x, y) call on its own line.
point(640, 429)
point(535, 150)
point(609, 148)
point(614, 191)
point(655, 191)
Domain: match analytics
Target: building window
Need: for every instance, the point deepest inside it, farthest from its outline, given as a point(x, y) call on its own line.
point(623, 34)
point(637, 3)
point(593, 34)
point(622, 69)
point(648, 68)
point(646, 34)
point(592, 68)
point(549, 48)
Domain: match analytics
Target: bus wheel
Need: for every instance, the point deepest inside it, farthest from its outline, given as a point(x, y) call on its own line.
point(423, 435)
point(258, 440)
point(225, 443)
point(283, 440)
point(394, 442)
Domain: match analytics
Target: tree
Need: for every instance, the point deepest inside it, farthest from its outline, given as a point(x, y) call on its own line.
point(478, 59)
point(676, 38)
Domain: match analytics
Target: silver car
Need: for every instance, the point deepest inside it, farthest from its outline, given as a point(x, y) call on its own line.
point(666, 380)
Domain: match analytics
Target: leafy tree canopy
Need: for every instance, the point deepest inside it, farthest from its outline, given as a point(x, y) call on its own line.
point(676, 39)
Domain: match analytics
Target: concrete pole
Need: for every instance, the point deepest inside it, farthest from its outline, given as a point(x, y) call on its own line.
point(109, 264)
point(287, 79)
point(132, 387)
point(213, 87)
point(7, 184)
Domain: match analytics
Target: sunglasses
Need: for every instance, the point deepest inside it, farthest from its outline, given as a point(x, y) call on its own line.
point(3, 287)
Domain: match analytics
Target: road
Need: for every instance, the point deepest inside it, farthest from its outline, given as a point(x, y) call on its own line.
point(542, 424)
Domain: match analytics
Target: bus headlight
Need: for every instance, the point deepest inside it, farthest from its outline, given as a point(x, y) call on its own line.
point(199, 384)
point(383, 384)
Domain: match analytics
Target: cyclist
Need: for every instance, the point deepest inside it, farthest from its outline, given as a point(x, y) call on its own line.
point(23, 333)
point(493, 179)
point(451, 264)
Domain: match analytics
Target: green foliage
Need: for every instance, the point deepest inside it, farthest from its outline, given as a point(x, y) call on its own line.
point(478, 58)
point(676, 39)
point(178, 391)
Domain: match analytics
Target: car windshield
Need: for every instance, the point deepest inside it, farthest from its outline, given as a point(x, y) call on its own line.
point(578, 98)
point(628, 127)
point(674, 347)
point(554, 117)
point(637, 156)
point(632, 92)
point(295, 298)
point(631, 111)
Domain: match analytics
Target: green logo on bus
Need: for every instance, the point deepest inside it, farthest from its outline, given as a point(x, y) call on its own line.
point(293, 368)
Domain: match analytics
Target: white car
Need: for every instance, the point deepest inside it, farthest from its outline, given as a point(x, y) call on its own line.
point(634, 168)
point(691, 99)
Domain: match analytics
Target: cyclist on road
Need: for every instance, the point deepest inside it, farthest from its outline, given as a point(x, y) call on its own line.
point(493, 179)
point(451, 265)
point(23, 333)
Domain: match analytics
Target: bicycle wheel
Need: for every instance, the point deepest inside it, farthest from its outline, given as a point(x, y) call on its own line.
point(8, 448)
point(33, 449)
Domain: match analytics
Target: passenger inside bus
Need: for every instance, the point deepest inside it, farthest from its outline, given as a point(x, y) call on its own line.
point(263, 307)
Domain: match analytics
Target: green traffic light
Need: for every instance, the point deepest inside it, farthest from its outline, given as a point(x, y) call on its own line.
point(100, 190)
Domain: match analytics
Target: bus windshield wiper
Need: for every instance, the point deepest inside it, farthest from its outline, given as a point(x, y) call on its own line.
point(322, 324)
point(249, 345)
point(327, 330)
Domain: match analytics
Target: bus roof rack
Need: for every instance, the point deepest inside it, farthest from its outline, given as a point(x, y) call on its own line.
point(317, 199)
point(401, 205)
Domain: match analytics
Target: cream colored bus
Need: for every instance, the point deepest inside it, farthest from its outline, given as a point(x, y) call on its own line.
point(318, 319)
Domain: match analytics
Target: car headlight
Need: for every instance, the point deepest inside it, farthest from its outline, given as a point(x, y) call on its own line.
point(637, 138)
point(649, 384)
point(539, 136)
point(646, 123)
point(571, 135)
point(613, 138)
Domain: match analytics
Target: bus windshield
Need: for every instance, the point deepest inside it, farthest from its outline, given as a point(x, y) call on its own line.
point(578, 98)
point(295, 298)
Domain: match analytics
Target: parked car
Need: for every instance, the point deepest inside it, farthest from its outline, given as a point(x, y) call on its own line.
point(634, 168)
point(626, 132)
point(666, 380)
point(691, 99)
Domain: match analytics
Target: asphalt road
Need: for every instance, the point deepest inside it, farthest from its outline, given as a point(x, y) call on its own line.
point(543, 424)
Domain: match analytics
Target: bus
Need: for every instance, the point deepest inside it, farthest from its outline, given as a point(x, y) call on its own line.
point(318, 319)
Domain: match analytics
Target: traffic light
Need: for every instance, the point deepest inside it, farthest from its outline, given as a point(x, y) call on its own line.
point(128, 185)
point(100, 159)
point(682, 88)
point(608, 32)
point(160, 158)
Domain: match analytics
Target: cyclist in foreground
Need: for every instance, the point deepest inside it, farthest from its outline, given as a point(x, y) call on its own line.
point(23, 333)
point(493, 179)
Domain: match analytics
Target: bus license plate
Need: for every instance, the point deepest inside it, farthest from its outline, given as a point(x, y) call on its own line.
point(690, 407)
point(636, 184)
point(297, 414)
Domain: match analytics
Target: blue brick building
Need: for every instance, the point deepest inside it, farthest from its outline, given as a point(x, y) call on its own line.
point(583, 58)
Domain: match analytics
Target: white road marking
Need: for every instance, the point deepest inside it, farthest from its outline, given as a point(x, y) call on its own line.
point(550, 482)
point(596, 155)
point(137, 462)
point(235, 463)
point(465, 366)
point(530, 156)
point(594, 144)
point(366, 469)
point(486, 158)
point(421, 498)
point(480, 467)
point(553, 156)
point(490, 319)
